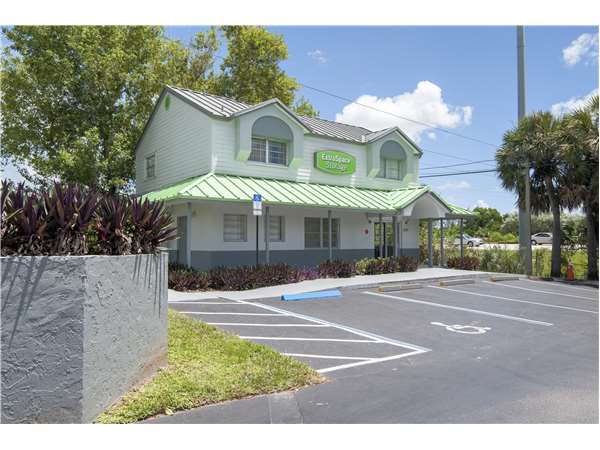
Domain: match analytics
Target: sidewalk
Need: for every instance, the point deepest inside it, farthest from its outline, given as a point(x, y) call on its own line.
point(357, 282)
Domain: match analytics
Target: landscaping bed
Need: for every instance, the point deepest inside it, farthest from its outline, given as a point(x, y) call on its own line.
point(207, 365)
point(240, 278)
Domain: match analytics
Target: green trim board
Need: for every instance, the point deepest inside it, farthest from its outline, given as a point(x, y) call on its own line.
point(234, 188)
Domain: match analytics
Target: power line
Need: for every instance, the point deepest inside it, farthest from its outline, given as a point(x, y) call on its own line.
point(428, 125)
point(455, 165)
point(457, 173)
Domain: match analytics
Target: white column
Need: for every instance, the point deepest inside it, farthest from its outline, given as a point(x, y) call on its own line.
point(267, 225)
point(330, 234)
point(188, 233)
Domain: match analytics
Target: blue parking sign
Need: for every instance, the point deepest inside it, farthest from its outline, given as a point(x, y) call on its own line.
point(257, 198)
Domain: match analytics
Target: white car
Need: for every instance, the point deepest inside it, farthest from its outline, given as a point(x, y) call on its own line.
point(541, 238)
point(469, 241)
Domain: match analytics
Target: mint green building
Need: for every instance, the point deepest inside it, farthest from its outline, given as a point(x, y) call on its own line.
point(328, 190)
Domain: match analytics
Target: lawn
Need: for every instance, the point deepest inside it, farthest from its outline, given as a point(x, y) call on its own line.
point(207, 365)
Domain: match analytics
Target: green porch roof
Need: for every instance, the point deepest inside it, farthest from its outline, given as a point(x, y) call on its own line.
point(233, 188)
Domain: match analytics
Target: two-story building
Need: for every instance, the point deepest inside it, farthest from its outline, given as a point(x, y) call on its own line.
point(329, 190)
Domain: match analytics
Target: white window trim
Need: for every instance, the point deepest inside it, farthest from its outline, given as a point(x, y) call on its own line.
point(401, 169)
point(244, 230)
point(267, 161)
point(152, 155)
point(282, 229)
point(321, 231)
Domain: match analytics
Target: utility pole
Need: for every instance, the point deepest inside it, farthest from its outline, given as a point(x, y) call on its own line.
point(524, 203)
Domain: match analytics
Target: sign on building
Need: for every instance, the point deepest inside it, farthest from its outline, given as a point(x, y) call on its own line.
point(334, 162)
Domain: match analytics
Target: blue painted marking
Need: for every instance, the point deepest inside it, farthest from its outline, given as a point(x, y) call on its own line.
point(312, 295)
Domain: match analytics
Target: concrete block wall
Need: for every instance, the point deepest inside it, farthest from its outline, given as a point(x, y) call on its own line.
point(78, 332)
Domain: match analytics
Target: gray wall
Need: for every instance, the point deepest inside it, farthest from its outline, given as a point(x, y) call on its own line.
point(78, 332)
point(204, 260)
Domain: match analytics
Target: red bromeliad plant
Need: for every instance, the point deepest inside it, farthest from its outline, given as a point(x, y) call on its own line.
point(71, 220)
point(151, 225)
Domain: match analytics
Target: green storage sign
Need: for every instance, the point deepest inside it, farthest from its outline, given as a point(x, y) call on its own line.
point(334, 162)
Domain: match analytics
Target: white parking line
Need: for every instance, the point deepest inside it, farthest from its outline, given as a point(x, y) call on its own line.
point(372, 361)
point(232, 313)
point(194, 302)
point(536, 290)
point(550, 283)
point(457, 308)
point(268, 324)
point(306, 355)
point(340, 327)
point(514, 300)
point(279, 338)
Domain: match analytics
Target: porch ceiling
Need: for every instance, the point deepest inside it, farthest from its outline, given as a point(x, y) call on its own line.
point(232, 188)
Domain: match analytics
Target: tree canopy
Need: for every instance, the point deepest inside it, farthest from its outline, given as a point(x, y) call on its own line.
point(76, 98)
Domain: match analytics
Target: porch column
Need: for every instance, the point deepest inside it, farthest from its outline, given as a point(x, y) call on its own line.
point(462, 246)
point(395, 234)
point(441, 242)
point(380, 235)
point(429, 242)
point(188, 232)
point(266, 227)
point(330, 234)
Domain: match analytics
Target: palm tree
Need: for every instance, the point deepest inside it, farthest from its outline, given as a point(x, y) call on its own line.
point(580, 153)
point(534, 144)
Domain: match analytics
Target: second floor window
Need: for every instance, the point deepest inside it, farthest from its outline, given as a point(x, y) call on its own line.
point(151, 166)
point(268, 151)
point(392, 169)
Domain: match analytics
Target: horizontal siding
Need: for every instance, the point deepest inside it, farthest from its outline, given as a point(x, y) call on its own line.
point(224, 144)
point(180, 138)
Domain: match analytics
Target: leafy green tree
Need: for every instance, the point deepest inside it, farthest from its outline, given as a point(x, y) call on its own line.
point(250, 72)
point(304, 108)
point(534, 145)
point(485, 222)
point(580, 152)
point(75, 98)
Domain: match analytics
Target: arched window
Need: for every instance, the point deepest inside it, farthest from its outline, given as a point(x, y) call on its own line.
point(271, 140)
point(393, 161)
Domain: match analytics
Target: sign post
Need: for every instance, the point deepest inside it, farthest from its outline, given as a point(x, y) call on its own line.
point(257, 211)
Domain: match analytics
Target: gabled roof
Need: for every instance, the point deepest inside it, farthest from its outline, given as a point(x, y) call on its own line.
point(225, 108)
point(233, 188)
point(376, 135)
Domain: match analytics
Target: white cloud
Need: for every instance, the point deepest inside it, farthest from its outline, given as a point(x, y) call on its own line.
point(558, 109)
point(454, 186)
point(424, 104)
point(481, 204)
point(431, 135)
point(318, 55)
point(584, 48)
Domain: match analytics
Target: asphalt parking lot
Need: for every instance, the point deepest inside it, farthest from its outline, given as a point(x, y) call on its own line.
point(517, 351)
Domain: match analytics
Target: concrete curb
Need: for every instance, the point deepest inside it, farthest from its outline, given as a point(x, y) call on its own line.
point(399, 287)
point(504, 278)
point(457, 282)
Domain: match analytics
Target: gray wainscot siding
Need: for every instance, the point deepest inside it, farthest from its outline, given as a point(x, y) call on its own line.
point(204, 260)
point(78, 332)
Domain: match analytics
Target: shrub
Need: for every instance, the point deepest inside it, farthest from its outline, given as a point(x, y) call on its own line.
point(466, 263)
point(72, 220)
point(499, 260)
point(503, 238)
point(336, 269)
point(184, 279)
point(392, 264)
point(306, 273)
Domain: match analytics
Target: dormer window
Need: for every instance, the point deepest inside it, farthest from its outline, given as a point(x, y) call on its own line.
point(268, 151)
point(393, 161)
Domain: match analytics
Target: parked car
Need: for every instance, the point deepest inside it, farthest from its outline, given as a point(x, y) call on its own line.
point(469, 241)
point(541, 238)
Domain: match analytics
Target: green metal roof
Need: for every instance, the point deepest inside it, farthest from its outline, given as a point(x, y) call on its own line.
point(233, 188)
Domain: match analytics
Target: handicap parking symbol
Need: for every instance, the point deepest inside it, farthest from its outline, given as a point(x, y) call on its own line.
point(464, 329)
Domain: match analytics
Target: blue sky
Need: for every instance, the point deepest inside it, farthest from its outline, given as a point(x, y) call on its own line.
point(460, 78)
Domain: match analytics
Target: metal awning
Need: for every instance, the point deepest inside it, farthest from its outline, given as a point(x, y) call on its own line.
point(233, 188)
